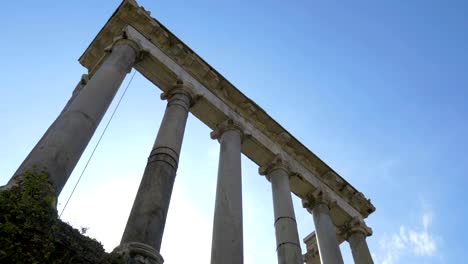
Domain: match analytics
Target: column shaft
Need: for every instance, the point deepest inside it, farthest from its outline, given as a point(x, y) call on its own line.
point(81, 84)
point(359, 249)
point(148, 215)
point(326, 235)
point(62, 145)
point(227, 243)
point(287, 239)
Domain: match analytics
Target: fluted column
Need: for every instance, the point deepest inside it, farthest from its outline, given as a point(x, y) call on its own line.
point(318, 204)
point(288, 248)
point(61, 147)
point(145, 225)
point(227, 243)
point(356, 232)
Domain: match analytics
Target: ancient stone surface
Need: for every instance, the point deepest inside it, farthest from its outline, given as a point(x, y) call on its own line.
point(356, 231)
point(62, 146)
point(227, 243)
point(148, 216)
point(288, 248)
point(319, 203)
point(138, 253)
point(132, 36)
point(170, 59)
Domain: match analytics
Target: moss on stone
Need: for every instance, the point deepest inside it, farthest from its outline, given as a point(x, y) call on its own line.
point(30, 231)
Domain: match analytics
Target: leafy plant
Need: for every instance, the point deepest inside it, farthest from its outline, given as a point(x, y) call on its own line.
point(30, 231)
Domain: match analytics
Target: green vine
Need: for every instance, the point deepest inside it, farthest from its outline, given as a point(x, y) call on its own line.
point(30, 231)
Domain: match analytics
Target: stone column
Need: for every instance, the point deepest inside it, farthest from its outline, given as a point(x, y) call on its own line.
point(356, 232)
point(145, 225)
point(318, 204)
point(61, 147)
point(288, 248)
point(81, 84)
point(312, 255)
point(227, 243)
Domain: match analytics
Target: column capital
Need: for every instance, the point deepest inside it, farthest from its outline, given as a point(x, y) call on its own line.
point(124, 40)
point(319, 196)
point(179, 87)
point(227, 125)
point(355, 225)
point(277, 162)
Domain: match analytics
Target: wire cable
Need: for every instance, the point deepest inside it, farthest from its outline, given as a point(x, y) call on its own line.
point(97, 144)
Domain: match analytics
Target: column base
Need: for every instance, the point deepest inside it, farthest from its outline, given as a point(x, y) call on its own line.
point(138, 253)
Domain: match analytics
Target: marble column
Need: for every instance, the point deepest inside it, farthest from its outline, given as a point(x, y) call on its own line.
point(227, 242)
point(318, 204)
point(288, 248)
point(61, 147)
point(356, 232)
point(145, 225)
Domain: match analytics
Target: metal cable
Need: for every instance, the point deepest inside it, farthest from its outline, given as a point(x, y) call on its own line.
point(97, 144)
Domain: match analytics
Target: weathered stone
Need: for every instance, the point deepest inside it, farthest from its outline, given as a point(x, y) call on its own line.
point(63, 144)
point(171, 54)
point(168, 59)
point(356, 231)
point(318, 204)
point(148, 215)
point(227, 243)
point(288, 248)
point(138, 253)
point(312, 255)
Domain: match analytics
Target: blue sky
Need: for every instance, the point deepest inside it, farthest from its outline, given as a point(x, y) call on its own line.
point(377, 89)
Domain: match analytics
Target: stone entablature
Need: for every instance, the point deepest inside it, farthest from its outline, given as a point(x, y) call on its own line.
point(132, 39)
point(168, 58)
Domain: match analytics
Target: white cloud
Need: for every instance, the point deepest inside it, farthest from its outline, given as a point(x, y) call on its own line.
point(418, 241)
